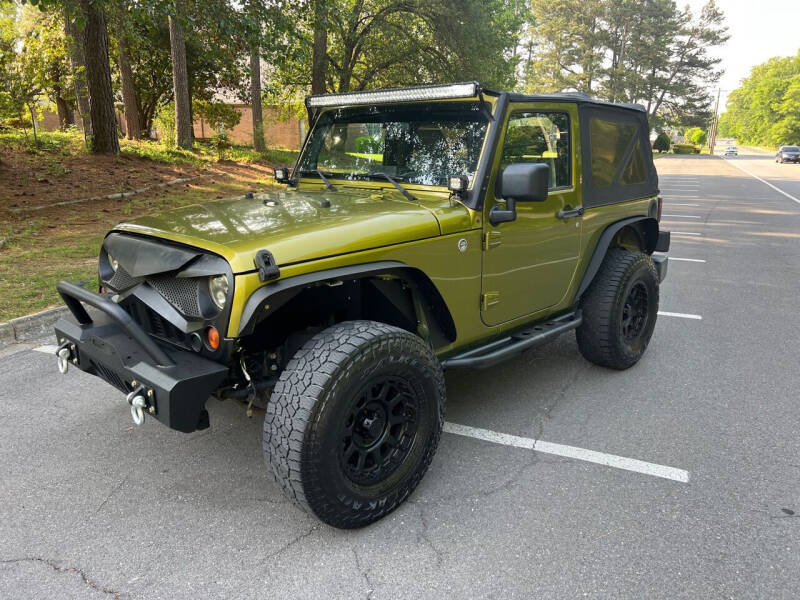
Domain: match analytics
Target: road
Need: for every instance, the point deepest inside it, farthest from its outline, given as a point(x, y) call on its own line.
point(93, 507)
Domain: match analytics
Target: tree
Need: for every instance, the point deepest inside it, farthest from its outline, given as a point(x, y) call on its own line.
point(662, 143)
point(44, 49)
point(133, 128)
point(98, 79)
point(645, 51)
point(184, 133)
point(765, 110)
point(74, 38)
point(378, 43)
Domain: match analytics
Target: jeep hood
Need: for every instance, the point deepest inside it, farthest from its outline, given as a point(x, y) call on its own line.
point(297, 226)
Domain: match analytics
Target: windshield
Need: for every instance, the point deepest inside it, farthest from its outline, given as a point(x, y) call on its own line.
point(413, 144)
point(791, 149)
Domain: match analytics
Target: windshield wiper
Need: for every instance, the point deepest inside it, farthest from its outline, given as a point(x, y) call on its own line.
point(325, 180)
point(399, 187)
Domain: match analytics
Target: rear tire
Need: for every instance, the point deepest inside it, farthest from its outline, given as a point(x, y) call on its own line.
point(354, 421)
point(619, 310)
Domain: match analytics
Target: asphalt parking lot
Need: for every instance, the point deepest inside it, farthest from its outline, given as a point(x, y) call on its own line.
point(95, 507)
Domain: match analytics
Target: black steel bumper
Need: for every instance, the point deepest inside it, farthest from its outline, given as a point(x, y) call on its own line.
point(175, 383)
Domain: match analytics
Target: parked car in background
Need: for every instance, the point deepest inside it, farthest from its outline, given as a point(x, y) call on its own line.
point(788, 154)
point(731, 151)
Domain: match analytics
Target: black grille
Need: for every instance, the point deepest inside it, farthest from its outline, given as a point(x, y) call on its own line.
point(156, 325)
point(110, 376)
point(122, 281)
point(182, 292)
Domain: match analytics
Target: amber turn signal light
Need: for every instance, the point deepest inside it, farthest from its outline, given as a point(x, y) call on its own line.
point(212, 337)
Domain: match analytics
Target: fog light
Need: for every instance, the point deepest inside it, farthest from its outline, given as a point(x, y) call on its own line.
point(212, 337)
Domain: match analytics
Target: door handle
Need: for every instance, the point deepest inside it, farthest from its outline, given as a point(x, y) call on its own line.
point(569, 213)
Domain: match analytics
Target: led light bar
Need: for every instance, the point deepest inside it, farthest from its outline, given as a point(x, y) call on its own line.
point(412, 94)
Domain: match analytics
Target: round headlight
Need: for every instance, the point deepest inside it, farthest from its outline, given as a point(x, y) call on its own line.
point(113, 262)
point(218, 288)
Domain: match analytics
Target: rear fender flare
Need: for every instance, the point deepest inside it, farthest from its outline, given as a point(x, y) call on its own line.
point(647, 231)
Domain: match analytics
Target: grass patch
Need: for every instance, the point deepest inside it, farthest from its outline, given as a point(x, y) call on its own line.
point(70, 143)
point(37, 256)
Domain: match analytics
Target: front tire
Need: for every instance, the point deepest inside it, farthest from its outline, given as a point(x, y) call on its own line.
point(619, 310)
point(354, 421)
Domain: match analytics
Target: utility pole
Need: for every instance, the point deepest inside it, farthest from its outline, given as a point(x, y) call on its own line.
point(716, 123)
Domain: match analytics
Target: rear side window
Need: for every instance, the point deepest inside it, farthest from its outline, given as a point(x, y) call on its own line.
point(612, 144)
point(540, 137)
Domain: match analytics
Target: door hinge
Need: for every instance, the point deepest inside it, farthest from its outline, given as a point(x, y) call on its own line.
point(489, 299)
point(491, 239)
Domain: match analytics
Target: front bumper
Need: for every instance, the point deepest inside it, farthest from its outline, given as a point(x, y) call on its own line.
point(792, 159)
point(112, 346)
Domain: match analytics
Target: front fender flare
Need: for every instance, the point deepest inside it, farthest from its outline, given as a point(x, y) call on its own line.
point(278, 293)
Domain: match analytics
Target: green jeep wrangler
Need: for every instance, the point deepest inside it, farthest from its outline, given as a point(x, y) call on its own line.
point(422, 229)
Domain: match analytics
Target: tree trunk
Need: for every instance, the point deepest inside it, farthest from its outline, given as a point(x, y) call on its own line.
point(319, 60)
point(98, 79)
point(184, 136)
point(78, 62)
point(65, 116)
point(133, 127)
point(255, 100)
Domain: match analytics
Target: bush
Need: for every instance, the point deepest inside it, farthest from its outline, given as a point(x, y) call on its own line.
point(662, 143)
point(165, 124)
point(685, 149)
point(696, 136)
point(219, 115)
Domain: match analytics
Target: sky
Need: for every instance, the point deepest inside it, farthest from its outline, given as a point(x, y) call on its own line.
point(759, 30)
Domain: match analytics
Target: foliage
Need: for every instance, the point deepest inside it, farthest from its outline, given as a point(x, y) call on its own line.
point(627, 50)
point(662, 143)
point(164, 123)
point(696, 136)
point(765, 110)
point(219, 115)
point(685, 149)
point(379, 43)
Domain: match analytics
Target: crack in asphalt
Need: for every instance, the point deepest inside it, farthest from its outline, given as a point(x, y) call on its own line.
point(289, 544)
point(113, 491)
point(424, 533)
point(364, 573)
point(58, 568)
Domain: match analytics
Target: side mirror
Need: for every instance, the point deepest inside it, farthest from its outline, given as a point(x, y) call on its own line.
point(520, 182)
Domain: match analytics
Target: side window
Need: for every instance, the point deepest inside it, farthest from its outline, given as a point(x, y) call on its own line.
point(540, 137)
point(610, 142)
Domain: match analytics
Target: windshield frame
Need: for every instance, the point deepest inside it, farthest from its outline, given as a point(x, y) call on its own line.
point(486, 108)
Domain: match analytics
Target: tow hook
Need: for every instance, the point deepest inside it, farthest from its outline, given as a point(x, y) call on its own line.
point(138, 404)
point(64, 355)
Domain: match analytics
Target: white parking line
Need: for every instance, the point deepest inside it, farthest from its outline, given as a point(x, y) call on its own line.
point(48, 349)
point(663, 313)
point(600, 458)
point(683, 216)
point(685, 233)
point(777, 189)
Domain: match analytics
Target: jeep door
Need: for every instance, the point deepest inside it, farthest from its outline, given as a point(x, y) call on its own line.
point(528, 263)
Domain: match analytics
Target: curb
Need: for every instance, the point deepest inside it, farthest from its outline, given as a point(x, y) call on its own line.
point(30, 327)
